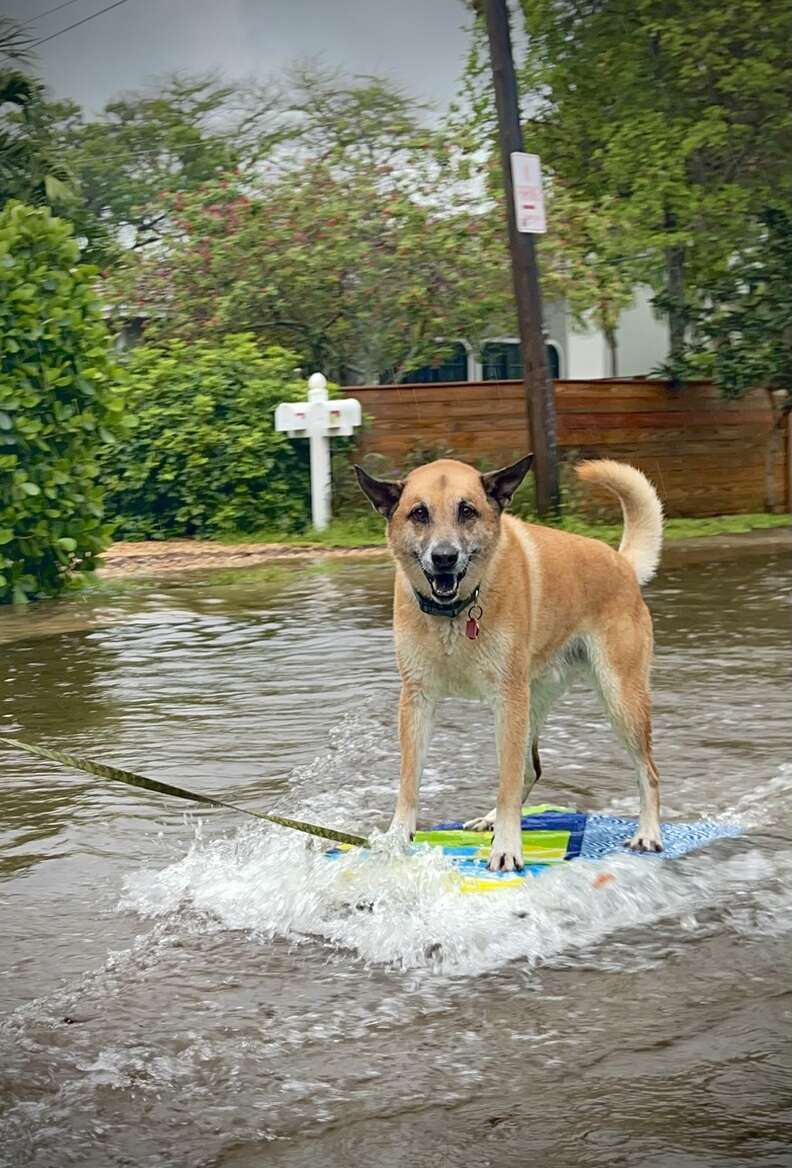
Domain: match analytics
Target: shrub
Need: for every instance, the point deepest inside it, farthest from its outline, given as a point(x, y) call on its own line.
point(203, 457)
point(58, 404)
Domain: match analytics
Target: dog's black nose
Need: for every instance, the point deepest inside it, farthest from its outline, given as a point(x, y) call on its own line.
point(444, 557)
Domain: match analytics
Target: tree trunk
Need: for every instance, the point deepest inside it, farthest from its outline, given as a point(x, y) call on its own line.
point(675, 293)
point(320, 358)
point(775, 449)
point(613, 350)
point(675, 299)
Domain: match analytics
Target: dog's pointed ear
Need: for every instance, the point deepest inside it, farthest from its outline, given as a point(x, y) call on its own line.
point(382, 494)
point(500, 485)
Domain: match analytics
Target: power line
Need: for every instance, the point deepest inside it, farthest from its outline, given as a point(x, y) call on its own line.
point(76, 24)
point(49, 12)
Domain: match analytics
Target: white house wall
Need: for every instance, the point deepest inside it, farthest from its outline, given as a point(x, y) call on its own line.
point(586, 354)
point(641, 338)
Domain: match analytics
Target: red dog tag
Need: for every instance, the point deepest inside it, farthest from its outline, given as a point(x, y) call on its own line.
point(472, 628)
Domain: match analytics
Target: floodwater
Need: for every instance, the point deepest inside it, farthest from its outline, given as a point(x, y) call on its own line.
point(186, 988)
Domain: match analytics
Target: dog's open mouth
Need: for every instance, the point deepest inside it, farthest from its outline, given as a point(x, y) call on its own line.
point(444, 585)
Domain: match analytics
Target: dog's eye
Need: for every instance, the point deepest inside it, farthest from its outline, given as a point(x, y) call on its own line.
point(419, 514)
point(466, 512)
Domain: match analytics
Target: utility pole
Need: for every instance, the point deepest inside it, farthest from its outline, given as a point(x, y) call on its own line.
point(539, 391)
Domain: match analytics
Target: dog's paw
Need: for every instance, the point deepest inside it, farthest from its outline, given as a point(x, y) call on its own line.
point(645, 841)
point(483, 823)
point(505, 860)
point(400, 833)
point(393, 843)
point(506, 851)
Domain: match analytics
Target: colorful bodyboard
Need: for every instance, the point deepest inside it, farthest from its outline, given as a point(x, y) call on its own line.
point(554, 835)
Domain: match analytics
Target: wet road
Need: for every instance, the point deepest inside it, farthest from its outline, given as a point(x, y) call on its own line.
point(184, 989)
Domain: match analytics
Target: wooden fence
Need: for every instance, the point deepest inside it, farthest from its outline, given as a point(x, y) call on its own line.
point(706, 455)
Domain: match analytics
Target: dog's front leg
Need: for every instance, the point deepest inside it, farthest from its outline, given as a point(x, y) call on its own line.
point(416, 713)
point(513, 724)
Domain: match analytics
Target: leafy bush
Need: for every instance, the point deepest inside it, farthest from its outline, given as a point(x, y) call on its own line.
point(203, 457)
point(58, 404)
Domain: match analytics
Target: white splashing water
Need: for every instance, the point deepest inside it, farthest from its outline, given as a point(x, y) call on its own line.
point(408, 911)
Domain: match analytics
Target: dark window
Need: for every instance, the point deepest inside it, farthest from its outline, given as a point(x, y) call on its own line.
point(453, 368)
point(500, 361)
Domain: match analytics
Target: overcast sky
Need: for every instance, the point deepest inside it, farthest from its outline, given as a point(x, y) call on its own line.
point(421, 44)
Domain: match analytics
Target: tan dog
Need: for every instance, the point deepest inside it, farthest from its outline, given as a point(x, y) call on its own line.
point(492, 608)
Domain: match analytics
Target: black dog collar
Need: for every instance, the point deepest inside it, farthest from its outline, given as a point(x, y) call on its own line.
point(432, 608)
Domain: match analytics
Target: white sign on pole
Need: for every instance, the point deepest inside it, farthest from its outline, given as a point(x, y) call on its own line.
point(529, 206)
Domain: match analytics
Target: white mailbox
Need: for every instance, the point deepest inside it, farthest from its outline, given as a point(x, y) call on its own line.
point(318, 420)
point(292, 417)
point(343, 416)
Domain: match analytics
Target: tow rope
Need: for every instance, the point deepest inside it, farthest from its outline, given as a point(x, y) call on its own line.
point(101, 771)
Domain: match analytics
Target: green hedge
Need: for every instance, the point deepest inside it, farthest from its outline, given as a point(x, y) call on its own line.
point(58, 405)
point(203, 457)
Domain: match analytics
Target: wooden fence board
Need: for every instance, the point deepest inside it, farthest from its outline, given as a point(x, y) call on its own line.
point(706, 455)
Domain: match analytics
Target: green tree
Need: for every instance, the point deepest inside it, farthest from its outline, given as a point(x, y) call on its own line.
point(352, 274)
point(32, 165)
point(146, 145)
point(31, 168)
point(15, 42)
point(677, 114)
point(744, 332)
point(320, 213)
point(359, 250)
point(59, 404)
point(354, 124)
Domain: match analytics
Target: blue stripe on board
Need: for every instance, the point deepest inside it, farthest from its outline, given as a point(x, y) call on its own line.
point(606, 834)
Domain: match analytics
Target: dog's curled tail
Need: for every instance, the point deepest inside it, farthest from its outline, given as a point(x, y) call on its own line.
point(643, 511)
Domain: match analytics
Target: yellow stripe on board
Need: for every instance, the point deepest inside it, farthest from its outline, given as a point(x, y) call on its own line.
point(479, 884)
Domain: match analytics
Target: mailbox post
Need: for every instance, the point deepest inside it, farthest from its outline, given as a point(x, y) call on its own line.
point(319, 419)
